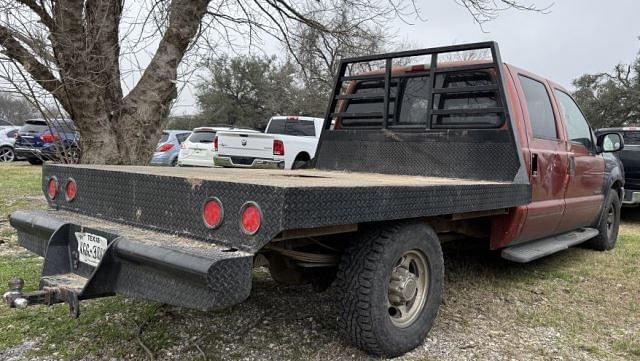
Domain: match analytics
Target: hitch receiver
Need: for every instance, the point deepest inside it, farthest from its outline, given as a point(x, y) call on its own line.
point(16, 298)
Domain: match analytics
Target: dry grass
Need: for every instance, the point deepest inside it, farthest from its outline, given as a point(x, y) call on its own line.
point(578, 304)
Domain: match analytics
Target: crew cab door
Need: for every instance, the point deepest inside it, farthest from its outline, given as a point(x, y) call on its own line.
point(547, 156)
point(584, 195)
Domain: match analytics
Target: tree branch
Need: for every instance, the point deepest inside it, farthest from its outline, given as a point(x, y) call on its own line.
point(45, 18)
point(40, 73)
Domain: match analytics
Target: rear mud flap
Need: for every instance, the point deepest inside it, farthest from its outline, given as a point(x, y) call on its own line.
point(136, 263)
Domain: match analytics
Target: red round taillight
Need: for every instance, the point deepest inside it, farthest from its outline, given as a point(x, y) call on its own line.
point(52, 188)
point(251, 218)
point(212, 213)
point(70, 190)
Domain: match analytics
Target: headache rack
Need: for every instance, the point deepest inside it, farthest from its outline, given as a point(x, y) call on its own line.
point(390, 78)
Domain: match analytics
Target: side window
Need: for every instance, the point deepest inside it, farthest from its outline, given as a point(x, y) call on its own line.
point(12, 134)
point(577, 127)
point(543, 123)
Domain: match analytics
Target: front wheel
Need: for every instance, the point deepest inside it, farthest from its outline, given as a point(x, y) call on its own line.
point(34, 161)
point(7, 154)
point(608, 224)
point(390, 282)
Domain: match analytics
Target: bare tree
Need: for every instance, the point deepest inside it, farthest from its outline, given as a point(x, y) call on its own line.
point(69, 52)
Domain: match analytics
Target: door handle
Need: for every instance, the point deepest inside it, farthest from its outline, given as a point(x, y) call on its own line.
point(572, 165)
point(534, 164)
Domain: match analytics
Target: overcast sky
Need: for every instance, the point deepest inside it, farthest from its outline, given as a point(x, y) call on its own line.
point(575, 37)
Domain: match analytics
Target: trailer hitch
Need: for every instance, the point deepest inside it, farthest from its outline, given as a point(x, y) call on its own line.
point(16, 298)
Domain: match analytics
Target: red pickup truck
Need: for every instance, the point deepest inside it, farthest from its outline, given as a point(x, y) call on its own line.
point(418, 155)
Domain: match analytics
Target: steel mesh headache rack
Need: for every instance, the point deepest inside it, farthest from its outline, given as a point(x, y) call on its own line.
point(444, 118)
point(188, 236)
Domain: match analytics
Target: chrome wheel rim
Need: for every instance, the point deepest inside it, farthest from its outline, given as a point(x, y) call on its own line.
point(408, 288)
point(6, 155)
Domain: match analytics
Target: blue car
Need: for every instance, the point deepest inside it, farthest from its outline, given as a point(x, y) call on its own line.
point(38, 141)
point(168, 148)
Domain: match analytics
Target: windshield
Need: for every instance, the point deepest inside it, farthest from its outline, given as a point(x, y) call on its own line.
point(202, 136)
point(293, 126)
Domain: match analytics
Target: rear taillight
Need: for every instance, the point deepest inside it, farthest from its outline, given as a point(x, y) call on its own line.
point(165, 147)
point(215, 143)
point(52, 188)
point(70, 190)
point(48, 137)
point(251, 218)
point(278, 147)
point(212, 213)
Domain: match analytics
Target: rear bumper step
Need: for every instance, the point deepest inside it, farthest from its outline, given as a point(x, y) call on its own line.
point(137, 263)
point(527, 252)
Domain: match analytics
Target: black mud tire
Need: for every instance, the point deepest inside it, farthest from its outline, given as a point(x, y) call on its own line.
point(608, 224)
point(362, 282)
point(34, 161)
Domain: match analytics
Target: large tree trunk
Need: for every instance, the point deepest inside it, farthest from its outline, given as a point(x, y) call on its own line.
point(84, 34)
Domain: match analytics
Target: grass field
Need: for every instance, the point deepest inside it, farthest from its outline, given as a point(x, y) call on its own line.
point(578, 304)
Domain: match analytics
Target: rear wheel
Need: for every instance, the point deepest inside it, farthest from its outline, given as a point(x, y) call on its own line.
point(390, 283)
point(301, 162)
point(7, 155)
point(608, 225)
point(34, 161)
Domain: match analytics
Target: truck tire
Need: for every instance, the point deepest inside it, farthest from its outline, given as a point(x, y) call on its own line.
point(389, 284)
point(608, 224)
point(301, 161)
point(34, 161)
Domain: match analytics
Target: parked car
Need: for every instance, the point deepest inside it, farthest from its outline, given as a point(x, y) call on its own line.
point(630, 158)
point(38, 141)
point(289, 142)
point(8, 136)
point(168, 148)
point(480, 150)
point(197, 150)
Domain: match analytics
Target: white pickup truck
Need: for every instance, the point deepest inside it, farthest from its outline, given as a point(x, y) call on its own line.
point(289, 142)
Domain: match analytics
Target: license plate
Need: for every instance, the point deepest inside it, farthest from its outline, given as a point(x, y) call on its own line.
point(91, 248)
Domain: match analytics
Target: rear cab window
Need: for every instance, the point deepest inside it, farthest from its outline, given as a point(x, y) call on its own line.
point(409, 102)
point(291, 126)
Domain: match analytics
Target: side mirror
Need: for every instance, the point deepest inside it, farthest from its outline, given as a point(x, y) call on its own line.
point(610, 142)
